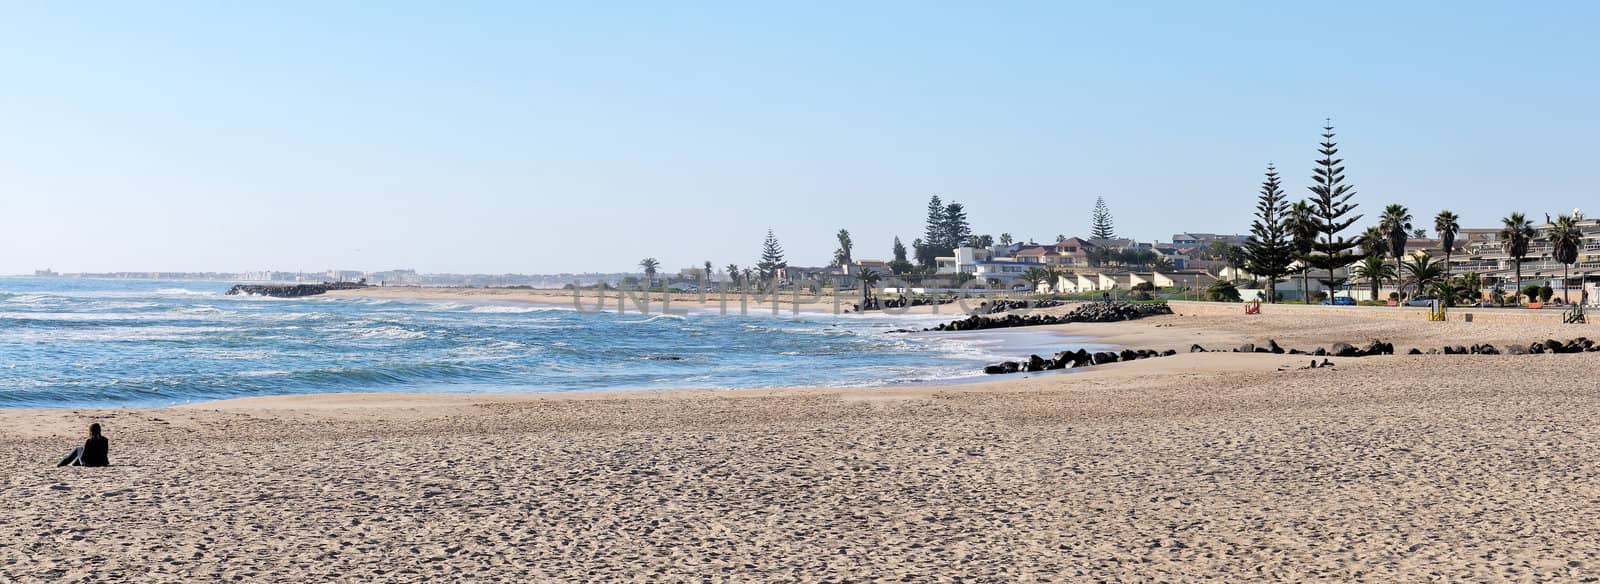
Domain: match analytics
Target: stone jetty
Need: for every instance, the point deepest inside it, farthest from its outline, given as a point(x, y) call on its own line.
point(1092, 312)
point(292, 290)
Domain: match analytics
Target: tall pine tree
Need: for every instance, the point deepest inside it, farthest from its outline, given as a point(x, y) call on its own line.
point(956, 230)
point(1270, 248)
point(771, 259)
point(899, 265)
point(1100, 226)
point(932, 234)
point(1331, 211)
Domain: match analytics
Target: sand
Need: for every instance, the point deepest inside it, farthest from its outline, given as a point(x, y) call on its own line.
point(1220, 467)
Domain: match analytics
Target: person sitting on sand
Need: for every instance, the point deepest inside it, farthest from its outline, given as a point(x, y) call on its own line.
point(94, 452)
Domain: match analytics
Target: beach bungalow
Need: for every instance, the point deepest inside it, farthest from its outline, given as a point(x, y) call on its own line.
point(965, 261)
point(1001, 272)
point(1106, 282)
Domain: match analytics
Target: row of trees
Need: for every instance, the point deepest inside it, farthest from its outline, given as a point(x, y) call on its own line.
point(1308, 235)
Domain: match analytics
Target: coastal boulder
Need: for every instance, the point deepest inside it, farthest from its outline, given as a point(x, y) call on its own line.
point(1272, 345)
point(1035, 363)
point(1345, 350)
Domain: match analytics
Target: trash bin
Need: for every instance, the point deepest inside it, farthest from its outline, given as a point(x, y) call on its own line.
point(1467, 317)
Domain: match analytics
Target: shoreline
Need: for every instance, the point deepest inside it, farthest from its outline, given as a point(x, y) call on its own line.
point(1222, 466)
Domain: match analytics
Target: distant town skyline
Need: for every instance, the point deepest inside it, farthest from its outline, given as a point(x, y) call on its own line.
point(513, 138)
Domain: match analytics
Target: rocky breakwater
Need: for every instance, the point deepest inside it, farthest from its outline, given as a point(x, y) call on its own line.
point(1073, 359)
point(1094, 312)
point(292, 290)
point(1376, 347)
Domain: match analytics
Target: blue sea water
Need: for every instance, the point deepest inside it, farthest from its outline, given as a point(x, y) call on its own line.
point(79, 342)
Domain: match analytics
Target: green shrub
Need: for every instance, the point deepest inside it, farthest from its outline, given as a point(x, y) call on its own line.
point(1222, 291)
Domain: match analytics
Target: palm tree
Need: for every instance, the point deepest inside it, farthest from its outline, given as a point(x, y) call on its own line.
point(1034, 276)
point(1446, 224)
point(1161, 264)
point(1566, 238)
point(649, 265)
point(709, 272)
point(1052, 275)
point(868, 278)
point(1375, 271)
point(1396, 223)
point(841, 256)
point(1374, 242)
point(1515, 234)
point(733, 273)
point(1421, 271)
point(1304, 232)
point(1454, 291)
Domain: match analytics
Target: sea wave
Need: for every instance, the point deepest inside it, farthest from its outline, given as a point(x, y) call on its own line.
point(389, 332)
point(655, 318)
point(508, 309)
point(184, 292)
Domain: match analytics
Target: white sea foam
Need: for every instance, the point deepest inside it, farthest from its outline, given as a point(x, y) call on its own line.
point(508, 309)
point(184, 292)
point(389, 332)
point(653, 319)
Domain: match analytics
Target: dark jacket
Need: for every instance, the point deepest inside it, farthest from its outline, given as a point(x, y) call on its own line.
point(96, 451)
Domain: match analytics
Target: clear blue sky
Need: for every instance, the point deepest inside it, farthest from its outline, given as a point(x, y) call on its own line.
point(524, 137)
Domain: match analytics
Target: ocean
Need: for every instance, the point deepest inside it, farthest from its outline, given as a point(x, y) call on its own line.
point(110, 343)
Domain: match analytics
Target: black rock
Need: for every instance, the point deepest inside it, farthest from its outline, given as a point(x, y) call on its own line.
point(1414, 351)
point(1272, 345)
point(1345, 350)
point(995, 369)
point(1515, 349)
point(1196, 349)
point(1035, 363)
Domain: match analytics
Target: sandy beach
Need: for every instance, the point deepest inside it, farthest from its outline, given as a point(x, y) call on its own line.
point(1197, 467)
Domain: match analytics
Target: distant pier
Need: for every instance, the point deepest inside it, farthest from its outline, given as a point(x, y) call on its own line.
point(292, 290)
